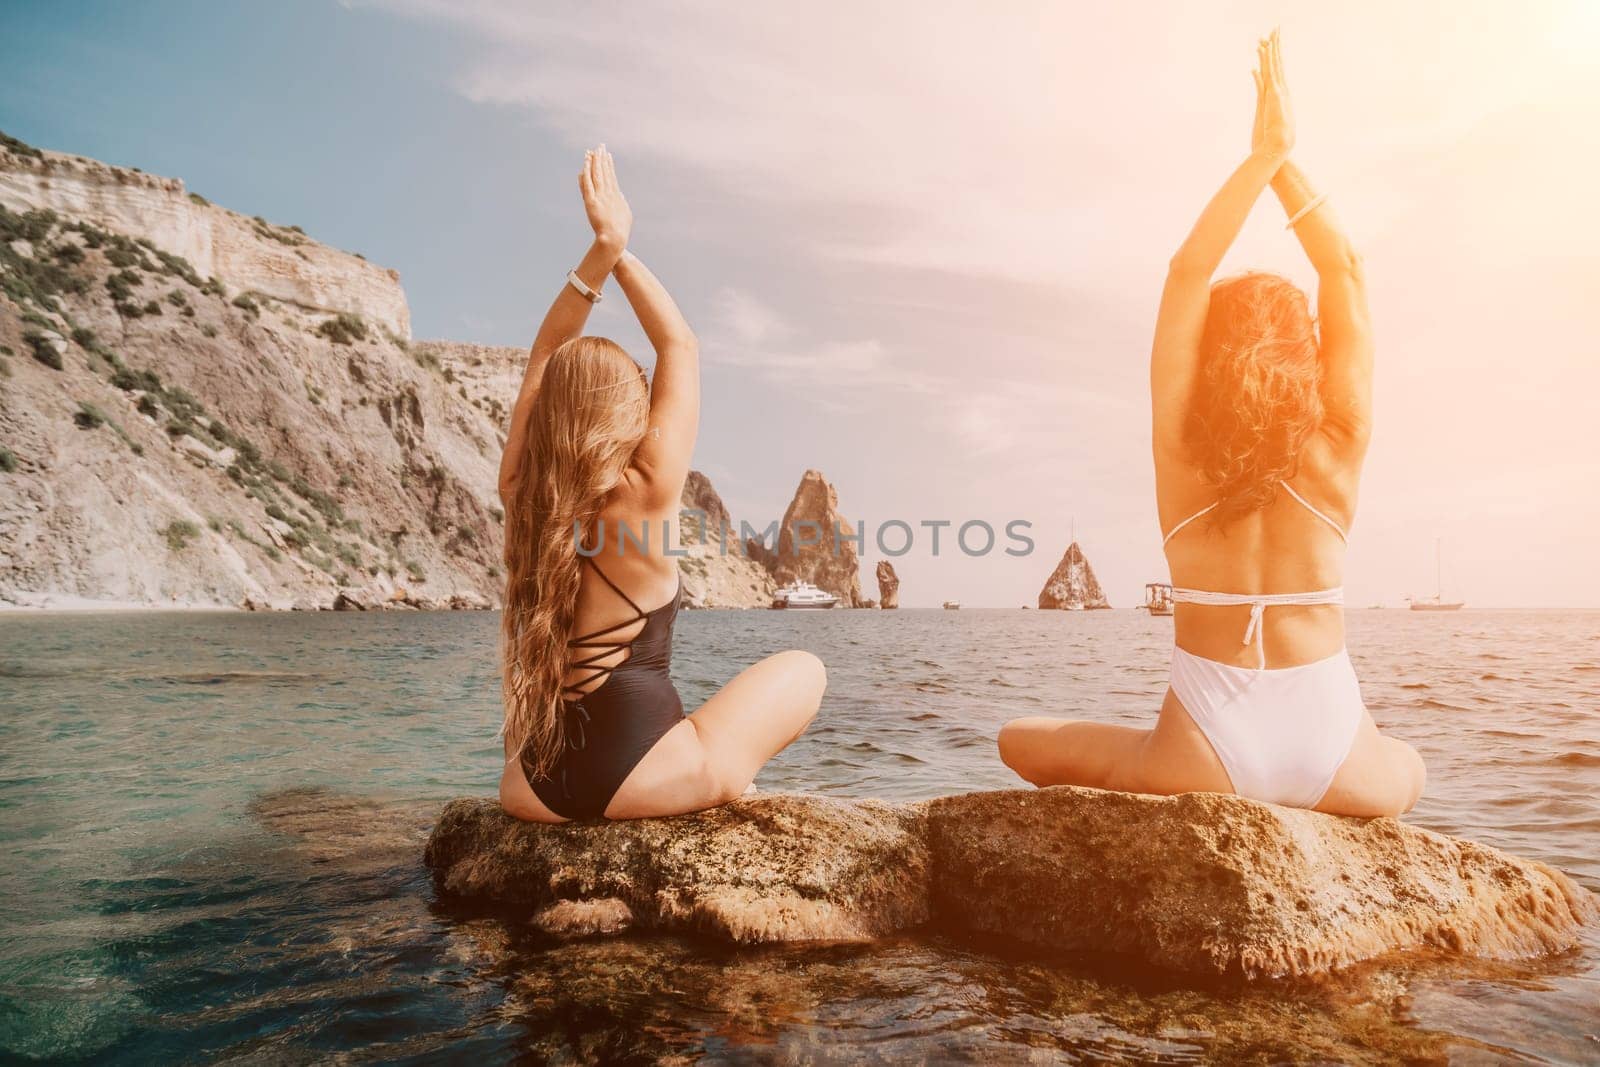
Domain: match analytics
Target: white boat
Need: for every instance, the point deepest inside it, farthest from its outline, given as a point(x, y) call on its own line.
point(952, 605)
point(800, 594)
point(1436, 602)
point(1158, 598)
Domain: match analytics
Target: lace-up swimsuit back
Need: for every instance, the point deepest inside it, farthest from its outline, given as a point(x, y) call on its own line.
point(610, 728)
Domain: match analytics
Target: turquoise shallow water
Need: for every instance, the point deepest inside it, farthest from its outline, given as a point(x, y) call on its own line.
point(153, 907)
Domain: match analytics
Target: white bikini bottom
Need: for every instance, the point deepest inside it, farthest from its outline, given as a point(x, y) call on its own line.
point(1281, 734)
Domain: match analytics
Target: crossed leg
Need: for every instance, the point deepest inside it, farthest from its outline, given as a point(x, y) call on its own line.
point(1174, 757)
point(712, 757)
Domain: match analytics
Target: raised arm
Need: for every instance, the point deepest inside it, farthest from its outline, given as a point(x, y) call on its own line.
point(1344, 322)
point(1186, 297)
point(611, 220)
point(661, 463)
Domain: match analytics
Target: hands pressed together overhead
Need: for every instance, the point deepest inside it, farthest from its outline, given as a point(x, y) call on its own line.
point(1273, 132)
point(608, 210)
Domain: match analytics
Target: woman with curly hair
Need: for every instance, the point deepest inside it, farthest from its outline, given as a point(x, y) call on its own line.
point(592, 477)
point(1261, 417)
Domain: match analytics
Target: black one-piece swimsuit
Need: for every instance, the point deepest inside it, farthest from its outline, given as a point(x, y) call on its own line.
point(610, 728)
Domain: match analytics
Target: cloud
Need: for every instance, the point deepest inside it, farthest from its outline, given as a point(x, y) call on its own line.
point(1013, 141)
point(960, 215)
point(986, 413)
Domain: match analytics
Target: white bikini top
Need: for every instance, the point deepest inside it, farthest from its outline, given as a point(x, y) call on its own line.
point(1259, 602)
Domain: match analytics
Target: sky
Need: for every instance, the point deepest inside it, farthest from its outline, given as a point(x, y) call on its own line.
point(922, 244)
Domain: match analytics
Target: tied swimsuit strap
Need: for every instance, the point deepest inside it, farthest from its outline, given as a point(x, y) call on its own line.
point(1259, 602)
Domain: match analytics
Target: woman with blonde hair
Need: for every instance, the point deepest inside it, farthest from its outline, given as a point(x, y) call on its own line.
point(593, 473)
point(1261, 423)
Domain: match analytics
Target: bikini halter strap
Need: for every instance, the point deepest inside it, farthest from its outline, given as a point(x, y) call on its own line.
point(1302, 501)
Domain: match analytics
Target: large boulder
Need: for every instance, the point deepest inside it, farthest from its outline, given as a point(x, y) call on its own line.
point(1209, 882)
point(768, 868)
point(1196, 883)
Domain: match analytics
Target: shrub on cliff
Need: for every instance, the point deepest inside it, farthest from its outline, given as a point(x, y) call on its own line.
point(33, 278)
point(89, 417)
point(44, 349)
point(124, 255)
point(128, 379)
point(178, 533)
point(344, 328)
point(27, 225)
point(8, 460)
point(21, 148)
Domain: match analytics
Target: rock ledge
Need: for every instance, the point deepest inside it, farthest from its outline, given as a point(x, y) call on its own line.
point(1196, 883)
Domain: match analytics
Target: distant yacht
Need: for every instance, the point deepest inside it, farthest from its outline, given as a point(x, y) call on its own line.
point(1436, 602)
point(800, 594)
point(952, 605)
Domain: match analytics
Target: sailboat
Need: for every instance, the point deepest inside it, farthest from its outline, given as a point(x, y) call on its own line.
point(1436, 602)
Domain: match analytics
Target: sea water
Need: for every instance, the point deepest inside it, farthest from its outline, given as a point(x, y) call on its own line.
point(152, 908)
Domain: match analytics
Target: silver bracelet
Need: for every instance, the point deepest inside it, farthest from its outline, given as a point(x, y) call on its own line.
point(584, 291)
point(1315, 203)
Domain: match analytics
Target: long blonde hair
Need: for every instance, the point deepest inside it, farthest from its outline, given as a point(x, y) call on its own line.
point(592, 411)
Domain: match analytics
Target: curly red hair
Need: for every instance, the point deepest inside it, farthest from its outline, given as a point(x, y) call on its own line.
point(1258, 396)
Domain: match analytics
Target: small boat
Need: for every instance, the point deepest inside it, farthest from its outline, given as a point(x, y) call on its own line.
point(952, 605)
point(1436, 602)
point(1158, 598)
point(801, 594)
point(1433, 603)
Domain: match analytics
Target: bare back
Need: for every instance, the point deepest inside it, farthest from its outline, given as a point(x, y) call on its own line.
point(1282, 547)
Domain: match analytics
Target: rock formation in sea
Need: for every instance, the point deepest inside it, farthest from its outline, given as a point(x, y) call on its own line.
point(1199, 883)
point(1072, 585)
point(715, 571)
point(200, 407)
point(824, 552)
point(888, 585)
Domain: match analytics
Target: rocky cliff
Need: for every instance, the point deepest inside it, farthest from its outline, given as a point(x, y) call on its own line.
point(253, 428)
point(1199, 883)
point(888, 585)
point(201, 408)
point(245, 254)
point(812, 543)
point(716, 572)
point(1072, 585)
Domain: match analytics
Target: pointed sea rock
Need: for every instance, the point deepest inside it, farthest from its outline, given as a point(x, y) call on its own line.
point(1072, 585)
point(806, 543)
point(888, 585)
